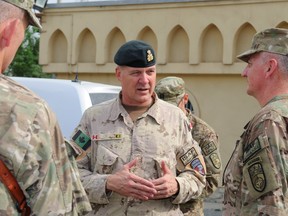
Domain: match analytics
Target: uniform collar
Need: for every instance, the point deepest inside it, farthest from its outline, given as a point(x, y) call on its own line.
point(154, 111)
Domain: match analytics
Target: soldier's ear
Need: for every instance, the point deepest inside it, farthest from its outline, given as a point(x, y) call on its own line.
point(272, 65)
point(118, 73)
point(186, 98)
point(8, 31)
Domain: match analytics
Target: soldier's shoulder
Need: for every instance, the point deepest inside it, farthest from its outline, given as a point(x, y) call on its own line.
point(17, 92)
point(200, 123)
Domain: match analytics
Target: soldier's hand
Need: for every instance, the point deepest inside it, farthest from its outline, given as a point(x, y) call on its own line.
point(166, 185)
point(128, 184)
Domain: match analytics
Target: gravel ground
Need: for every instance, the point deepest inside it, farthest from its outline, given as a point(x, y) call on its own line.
point(213, 204)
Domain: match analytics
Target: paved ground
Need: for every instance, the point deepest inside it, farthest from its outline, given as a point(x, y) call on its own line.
point(213, 204)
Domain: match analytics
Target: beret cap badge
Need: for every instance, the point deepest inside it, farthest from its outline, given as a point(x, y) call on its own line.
point(150, 56)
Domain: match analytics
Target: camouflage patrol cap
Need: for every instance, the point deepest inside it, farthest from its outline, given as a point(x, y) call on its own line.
point(170, 89)
point(27, 5)
point(273, 40)
point(135, 53)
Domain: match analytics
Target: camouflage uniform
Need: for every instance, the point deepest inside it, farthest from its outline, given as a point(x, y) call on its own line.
point(33, 149)
point(256, 176)
point(208, 142)
point(116, 140)
point(172, 90)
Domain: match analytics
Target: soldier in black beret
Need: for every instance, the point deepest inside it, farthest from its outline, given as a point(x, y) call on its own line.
point(137, 141)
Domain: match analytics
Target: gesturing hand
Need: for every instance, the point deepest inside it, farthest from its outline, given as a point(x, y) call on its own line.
point(128, 184)
point(166, 185)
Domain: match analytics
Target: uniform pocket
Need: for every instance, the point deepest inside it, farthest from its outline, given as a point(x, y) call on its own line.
point(105, 160)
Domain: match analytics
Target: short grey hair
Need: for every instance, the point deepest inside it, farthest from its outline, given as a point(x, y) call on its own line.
point(281, 59)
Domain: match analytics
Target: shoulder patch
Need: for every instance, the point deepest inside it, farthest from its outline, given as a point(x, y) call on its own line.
point(198, 166)
point(208, 148)
point(188, 156)
point(251, 149)
point(82, 140)
point(257, 177)
point(215, 160)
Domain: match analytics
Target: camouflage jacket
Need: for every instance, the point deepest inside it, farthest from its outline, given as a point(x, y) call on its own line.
point(256, 176)
point(209, 144)
point(155, 136)
point(33, 149)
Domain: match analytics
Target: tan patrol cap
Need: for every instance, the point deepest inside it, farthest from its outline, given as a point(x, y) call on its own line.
point(170, 89)
point(27, 5)
point(273, 40)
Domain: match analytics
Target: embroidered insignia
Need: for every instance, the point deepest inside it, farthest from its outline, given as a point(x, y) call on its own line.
point(215, 160)
point(198, 166)
point(150, 56)
point(209, 148)
point(257, 177)
point(98, 137)
point(82, 140)
point(251, 149)
point(188, 156)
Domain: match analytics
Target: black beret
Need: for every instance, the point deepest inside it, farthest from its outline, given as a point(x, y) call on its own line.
point(135, 53)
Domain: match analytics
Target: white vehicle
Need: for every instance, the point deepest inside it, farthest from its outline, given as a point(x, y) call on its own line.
point(69, 99)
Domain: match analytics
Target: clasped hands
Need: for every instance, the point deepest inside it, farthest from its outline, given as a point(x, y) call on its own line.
point(128, 184)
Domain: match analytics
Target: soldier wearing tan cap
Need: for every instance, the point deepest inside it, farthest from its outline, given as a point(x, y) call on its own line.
point(142, 159)
point(38, 176)
point(172, 90)
point(256, 176)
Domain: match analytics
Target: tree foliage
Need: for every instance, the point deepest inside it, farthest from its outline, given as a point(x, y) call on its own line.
point(25, 63)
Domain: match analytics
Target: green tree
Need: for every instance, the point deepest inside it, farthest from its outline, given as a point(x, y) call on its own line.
point(25, 63)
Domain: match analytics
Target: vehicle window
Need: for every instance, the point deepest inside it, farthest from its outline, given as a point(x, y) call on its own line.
point(97, 98)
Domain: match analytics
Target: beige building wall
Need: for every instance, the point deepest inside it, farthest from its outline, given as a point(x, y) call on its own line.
point(196, 40)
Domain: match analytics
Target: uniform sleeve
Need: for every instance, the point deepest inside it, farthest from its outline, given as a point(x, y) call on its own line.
point(265, 173)
point(191, 170)
point(209, 144)
point(208, 141)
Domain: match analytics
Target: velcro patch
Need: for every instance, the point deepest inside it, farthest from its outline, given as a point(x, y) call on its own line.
point(257, 176)
point(198, 166)
point(251, 149)
point(215, 160)
point(208, 148)
point(188, 156)
point(82, 140)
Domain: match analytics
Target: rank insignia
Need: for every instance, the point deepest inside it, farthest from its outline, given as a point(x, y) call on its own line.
point(257, 177)
point(150, 56)
point(82, 140)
